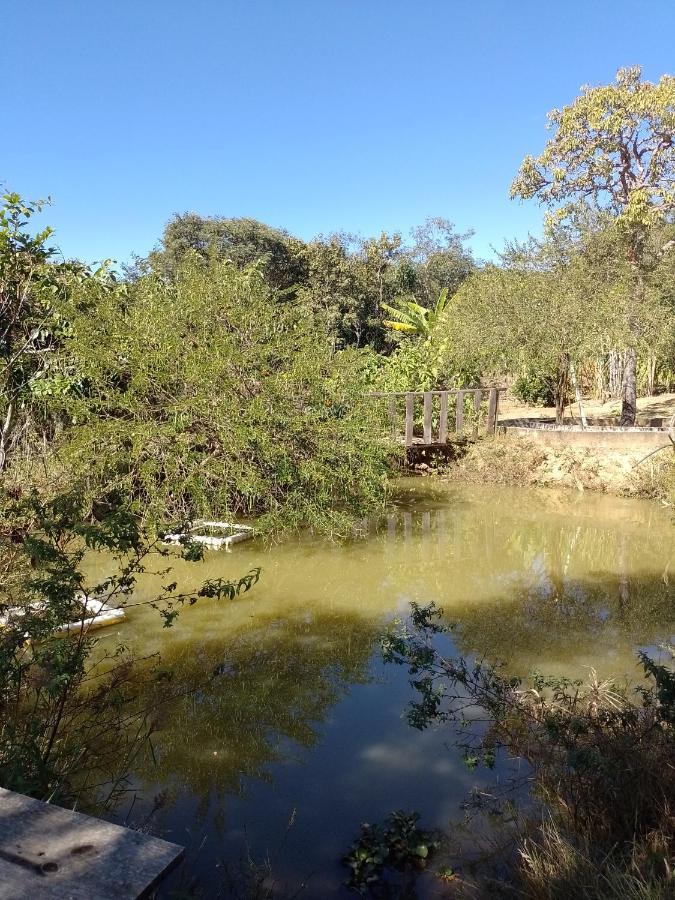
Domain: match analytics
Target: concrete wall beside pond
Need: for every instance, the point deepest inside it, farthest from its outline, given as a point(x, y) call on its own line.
point(595, 437)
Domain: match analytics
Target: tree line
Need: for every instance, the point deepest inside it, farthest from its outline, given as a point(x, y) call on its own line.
point(224, 368)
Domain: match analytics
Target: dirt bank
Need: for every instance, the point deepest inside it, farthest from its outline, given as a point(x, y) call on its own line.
point(511, 459)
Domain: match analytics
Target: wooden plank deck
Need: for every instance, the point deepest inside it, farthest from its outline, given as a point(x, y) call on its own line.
point(49, 853)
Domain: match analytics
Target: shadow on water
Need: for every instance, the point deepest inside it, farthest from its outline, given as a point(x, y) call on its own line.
point(256, 700)
point(284, 711)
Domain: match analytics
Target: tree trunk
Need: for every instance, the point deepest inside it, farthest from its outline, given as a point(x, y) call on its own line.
point(560, 388)
point(629, 389)
point(577, 395)
point(652, 363)
point(616, 364)
point(600, 383)
point(629, 384)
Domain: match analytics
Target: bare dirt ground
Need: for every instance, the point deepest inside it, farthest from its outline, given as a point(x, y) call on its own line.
point(655, 411)
point(517, 459)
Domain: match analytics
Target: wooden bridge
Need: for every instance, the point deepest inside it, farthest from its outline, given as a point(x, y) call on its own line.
point(475, 409)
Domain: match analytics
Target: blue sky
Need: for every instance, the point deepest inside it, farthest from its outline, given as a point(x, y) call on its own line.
point(313, 115)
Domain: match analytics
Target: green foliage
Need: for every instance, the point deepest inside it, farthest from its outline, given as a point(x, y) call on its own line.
point(411, 318)
point(439, 259)
point(612, 150)
point(613, 147)
point(36, 373)
point(398, 845)
point(534, 389)
point(208, 396)
point(70, 723)
point(342, 278)
point(601, 759)
point(243, 242)
point(344, 285)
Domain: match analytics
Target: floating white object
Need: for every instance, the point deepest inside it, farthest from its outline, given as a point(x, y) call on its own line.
point(238, 533)
point(97, 614)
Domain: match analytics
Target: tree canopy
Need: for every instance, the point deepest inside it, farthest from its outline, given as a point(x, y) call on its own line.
point(613, 149)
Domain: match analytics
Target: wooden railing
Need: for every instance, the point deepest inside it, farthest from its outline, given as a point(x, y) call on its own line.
point(428, 438)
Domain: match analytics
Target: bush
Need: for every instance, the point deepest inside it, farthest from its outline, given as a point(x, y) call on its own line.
point(534, 389)
point(602, 762)
point(209, 396)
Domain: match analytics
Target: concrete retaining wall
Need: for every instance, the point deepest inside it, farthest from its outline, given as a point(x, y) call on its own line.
point(596, 437)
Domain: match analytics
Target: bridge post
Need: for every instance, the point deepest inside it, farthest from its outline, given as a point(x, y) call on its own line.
point(409, 418)
point(459, 412)
point(443, 424)
point(428, 401)
point(392, 417)
point(492, 411)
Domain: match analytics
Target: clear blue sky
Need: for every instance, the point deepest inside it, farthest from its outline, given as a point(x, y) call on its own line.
point(314, 115)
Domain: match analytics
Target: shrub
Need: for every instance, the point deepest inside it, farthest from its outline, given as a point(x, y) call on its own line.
point(70, 721)
point(210, 396)
point(534, 389)
point(602, 761)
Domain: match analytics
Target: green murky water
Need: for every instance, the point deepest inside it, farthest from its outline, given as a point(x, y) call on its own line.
point(291, 716)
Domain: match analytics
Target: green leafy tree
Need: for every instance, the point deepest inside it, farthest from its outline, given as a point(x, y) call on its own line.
point(208, 394)
point(439, 259)
point(37, 375)
point(520, 319)
point(613, 149)
point(242, 241)
point(340, 287)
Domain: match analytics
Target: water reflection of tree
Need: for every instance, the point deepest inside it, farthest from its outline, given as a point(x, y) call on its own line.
point(535, 582)
point(242, 706)
point(590, 618)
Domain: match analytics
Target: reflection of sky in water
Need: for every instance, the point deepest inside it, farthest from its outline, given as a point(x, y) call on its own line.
point(303, 722)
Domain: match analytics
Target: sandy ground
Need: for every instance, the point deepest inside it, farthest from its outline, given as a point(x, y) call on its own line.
point(651, 411)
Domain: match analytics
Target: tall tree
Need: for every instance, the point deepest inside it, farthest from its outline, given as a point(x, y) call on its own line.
point(440, 258)
point(614, 149)
point(240, 240)
point(36, 372)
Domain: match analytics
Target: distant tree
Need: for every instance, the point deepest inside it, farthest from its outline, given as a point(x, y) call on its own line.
point(345, 278)
point(613, 149)
point(527, 318)
point(381, 255)
point(350, 279)
point(440, 258)
point(338, 287)
point(239, 240)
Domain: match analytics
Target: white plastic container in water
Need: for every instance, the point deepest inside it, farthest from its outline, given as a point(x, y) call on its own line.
point(95, 614)
point(215, 541)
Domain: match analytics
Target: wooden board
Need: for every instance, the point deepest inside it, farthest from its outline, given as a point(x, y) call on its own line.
point(409, 418)
point(459, 412)
point(492, 411)
point(392, 416)
point(443, 424)
point(49, 853)
point(428, 407)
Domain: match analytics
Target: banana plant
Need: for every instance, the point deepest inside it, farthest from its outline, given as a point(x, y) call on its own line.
point(411, 318)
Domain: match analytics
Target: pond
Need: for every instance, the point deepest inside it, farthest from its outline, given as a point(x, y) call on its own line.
point(288, 731)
